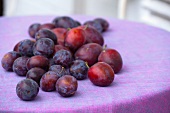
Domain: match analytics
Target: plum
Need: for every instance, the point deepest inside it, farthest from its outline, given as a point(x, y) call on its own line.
point(79, 69)
point(8, 60)
point(61, 34)
point(89, 53)
point(46, 33)
point(27, 89)
point(38, 61)
point(48, 81)
point(19, 66)
point(33, 29)
point(66, 85)
point(101, 74)
point(74, 39)
point(64, 22)
point(113, 58)
point(35, 74)
point(44, 47)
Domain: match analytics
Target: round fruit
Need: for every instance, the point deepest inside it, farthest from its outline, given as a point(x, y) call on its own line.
point(92, 35)
point(19, 66)
point(75, 38)
point(27, 89)
point(111, 57)
point(16, 47)
point(66, 85)
point(38, 61)
point(8, 60)
point(33, 29)
point(35, 74)
point(25, 47)
point(79, 69)
point(44, 47)
point(48, 81)
point(60, 33)
point(58, 69)
point(63, 58)
point(46, 33)
point(89, 53)
point(64, 22)
point(103, 22)
point(95, 24)
point(101, 74)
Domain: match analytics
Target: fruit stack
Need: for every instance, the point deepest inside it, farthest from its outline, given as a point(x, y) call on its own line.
point(61, 53)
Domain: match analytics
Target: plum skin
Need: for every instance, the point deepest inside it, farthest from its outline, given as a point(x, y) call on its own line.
point(48, 81)
point(74, 39)
point(101, 74)
point(8, 60)
point(25, 47)
point(33, 29)
point(58, 69)
point(44, 47)
point(63, 58)
point(113, 58)
point(46, 33)
point(89, 53)
point(66, 85)
point(27, 89)
point(79, 69)
point(19, 66)
point(35, 74)
point(38, 61)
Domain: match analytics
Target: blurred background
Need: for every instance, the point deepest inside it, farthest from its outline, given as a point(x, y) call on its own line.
point(152, 12)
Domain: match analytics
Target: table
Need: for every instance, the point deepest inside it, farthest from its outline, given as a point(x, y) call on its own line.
point(143, 85)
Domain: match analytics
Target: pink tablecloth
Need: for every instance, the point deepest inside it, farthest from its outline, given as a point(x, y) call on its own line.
point(143, 85)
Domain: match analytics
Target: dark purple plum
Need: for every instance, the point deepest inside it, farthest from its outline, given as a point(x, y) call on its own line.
point(48, 81)
point(33, 29)
point(38, 61)
point(63, 58)
point(8, 60)
point(44, 47)
point(92, 35)
point(66, 85)
point(35, 74)
point(51, 62)
point(25, 47)
point(95, 24)
point(103, 22)
point(19, 66)
point(27, 89)
point(46, 33)
point(78, 23)
point(64, 22)
point(16, 47)
point(47, 26)
point(89, 53)
point(74, 39)
point(58, 69)
point(79, 69)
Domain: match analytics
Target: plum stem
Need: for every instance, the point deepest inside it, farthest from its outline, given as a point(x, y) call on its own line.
point(87, 65)
point(104, 48)
point(61, 70)
point(68, 28)
point(86, 26)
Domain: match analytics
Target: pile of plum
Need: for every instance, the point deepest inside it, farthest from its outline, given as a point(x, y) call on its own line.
point(61, 53)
